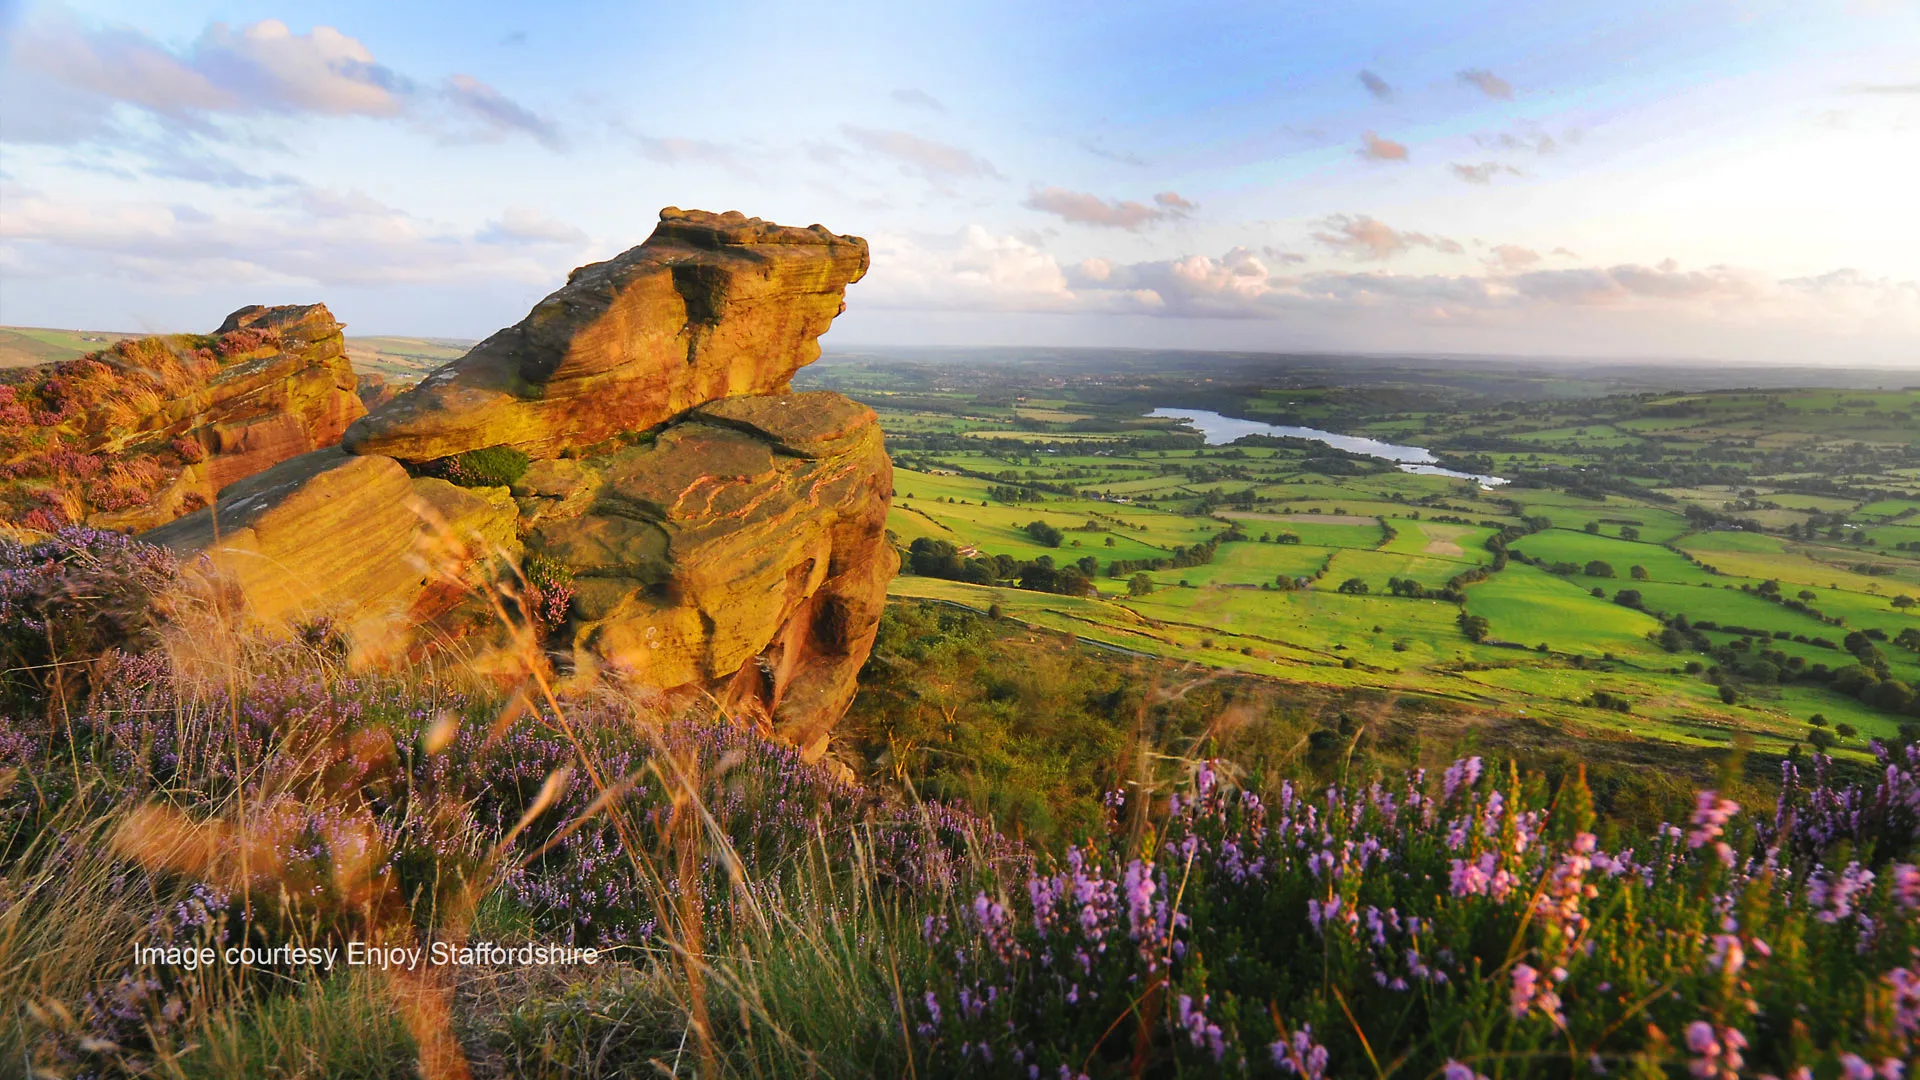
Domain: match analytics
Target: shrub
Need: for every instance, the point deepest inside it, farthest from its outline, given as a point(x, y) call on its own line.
point(491, 466)
point(70, 599)
point(549, 590)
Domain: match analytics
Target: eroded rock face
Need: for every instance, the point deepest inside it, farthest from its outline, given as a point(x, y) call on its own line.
point(722, 535)
point(743, 552)
point(711, 306)
point(138, 434)
point(337, 536)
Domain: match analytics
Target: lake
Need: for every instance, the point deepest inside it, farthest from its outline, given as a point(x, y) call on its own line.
point(1220, 430)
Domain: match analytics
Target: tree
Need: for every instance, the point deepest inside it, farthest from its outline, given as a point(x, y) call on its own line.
point(1599, 568)
point(1044, 534)
point(1728, 694)
point(1593, 526)
point(1089, 566)
point(1638, 573)
point(1628, 532)
point(1845, 731)
point(1903, 602)
point(1139, 584)
point(1353, 586)
point(1628, 598)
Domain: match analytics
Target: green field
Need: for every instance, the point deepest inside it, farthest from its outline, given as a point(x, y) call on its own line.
point(24, 346)
point(1698, 534)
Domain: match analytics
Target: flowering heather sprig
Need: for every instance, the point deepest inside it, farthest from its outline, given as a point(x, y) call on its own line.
point(1710, 816)
point(1298, 1055)
point(1716, 1051)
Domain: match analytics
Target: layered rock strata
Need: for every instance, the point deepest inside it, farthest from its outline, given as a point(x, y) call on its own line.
point(140, 433)
point(721, 535)
point(711, 306)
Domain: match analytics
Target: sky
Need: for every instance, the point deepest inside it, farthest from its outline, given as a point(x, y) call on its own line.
point(1700, 179)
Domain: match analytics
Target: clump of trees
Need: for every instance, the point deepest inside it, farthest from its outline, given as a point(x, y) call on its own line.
point(1043, 534)
point(929, 557)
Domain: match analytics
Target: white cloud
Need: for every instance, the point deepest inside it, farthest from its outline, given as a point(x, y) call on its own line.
point(973, 269)
point(316, 237)
point(1487, 83)
point(1483, 172)
point(1512, 257)
point(64, 83)
point(497, 114)
point(1082, 208)
point(1513, 304)
point(268, 66)
point(1362, 237)
point(933, 160)
point(1375, 148)
point(519, 225)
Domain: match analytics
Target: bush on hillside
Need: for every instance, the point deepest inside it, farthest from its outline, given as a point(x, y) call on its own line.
point(69, 599)
point(492, 466)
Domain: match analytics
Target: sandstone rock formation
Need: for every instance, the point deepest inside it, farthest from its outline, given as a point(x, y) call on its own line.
point(138, 434)
point(633, 439)
point(711, 306)
point(326, 526)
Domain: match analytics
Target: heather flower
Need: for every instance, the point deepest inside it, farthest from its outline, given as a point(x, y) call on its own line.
point(1833, 896)
point(1905, 879)
point(1461, 775)
point(1299, 1055)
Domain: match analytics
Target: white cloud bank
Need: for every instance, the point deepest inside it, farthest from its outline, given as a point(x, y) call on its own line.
point(64, 83)
point(1510, 304)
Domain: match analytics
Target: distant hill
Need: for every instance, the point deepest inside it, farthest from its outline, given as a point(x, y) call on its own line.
point(398, 359)
point(403, 359)
point(24, 346)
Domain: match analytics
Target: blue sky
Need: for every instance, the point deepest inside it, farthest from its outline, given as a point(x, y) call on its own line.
point(1699, 178)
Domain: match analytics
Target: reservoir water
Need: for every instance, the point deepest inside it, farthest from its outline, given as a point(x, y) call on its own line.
point(1219, 430)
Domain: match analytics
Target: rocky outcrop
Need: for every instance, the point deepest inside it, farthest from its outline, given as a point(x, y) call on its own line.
point(335, 535)
point(140, 433)
point(711, 306)
point(633, 446)
point(742, 552)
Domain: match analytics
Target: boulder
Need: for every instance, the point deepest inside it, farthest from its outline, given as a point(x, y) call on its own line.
point(138, 434)
point(711, 306)
point(341, 537)
point(742, 553)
